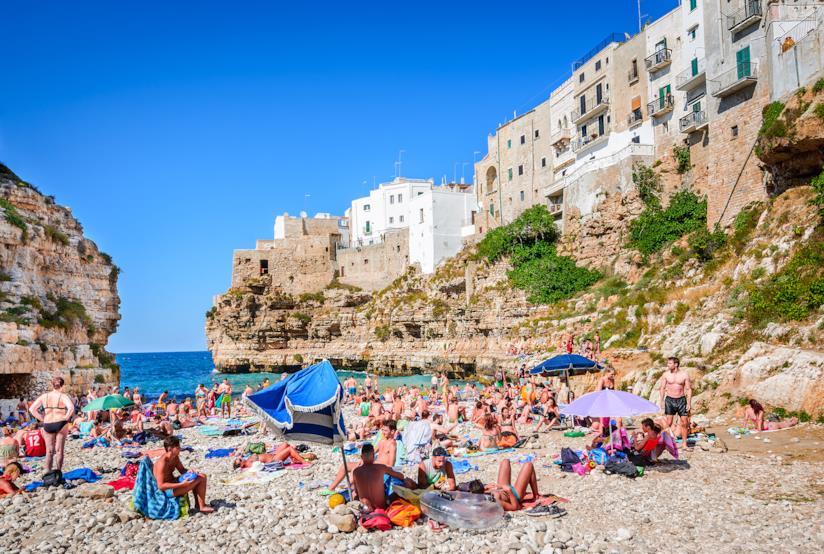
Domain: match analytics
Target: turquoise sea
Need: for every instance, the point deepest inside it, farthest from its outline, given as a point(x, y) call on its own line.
point(180, 372)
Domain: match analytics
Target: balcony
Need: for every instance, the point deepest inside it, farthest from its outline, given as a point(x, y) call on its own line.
point(635, 118)
point(555, 208)
point(739, 77)
point(661, 59)
point(693, 121)
point(594, 106)
point(560, 136)
point(746, 16)
point(661, 106)
point(582, 143)
point(692, 77)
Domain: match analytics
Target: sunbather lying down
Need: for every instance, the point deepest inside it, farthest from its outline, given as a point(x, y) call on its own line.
point(514, 497)
point(282, 453)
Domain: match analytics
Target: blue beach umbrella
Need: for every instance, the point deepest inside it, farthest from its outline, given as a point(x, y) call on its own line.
point(566, 364)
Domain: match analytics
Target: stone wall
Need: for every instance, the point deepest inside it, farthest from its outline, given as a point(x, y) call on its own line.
point(375, 266)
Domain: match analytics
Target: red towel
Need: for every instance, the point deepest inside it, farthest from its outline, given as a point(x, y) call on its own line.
point(122, 483)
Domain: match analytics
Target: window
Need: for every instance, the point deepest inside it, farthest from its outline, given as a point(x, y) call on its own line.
point(691, 32)
point(366, 207)
point(391, 198)
point(661, 45)
point(581, 78)
point(509, 172)
point(694, 66)
point(742, 60)
point(693, 4)
point(420, 193)
point(391, 220)
point(636, 139)
point(520, 170)
point(400, 219)
point(522, 196)
point(420, 215)
point(598, 65)
point(734, 131)
point(543, 162)
point(400, 198)
point(368, 228)
point(366, 261)
point(607, 60)
point(509, 143)
point(492, 209)
point(264, 267)
point(537, 133)
point(523, 139)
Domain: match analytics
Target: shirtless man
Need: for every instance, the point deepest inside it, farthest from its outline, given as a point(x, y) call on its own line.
point(350, 387)
point(282, 453)
point(225, 392)
point(676, 395)
point(387, 451)
point(167, 482)
point(369, 479)
point(397, 408)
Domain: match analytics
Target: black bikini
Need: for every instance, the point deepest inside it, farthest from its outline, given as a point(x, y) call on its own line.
point(55, 426)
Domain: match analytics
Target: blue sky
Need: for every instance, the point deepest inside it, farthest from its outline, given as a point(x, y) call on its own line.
point(177, 131)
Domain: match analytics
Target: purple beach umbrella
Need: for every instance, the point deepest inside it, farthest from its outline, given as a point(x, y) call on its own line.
point(609, 403)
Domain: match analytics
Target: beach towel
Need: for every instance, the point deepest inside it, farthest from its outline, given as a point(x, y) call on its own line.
point(416, 440)
point(122, 483)
point(148, 499)
point(489, 452)
point(34, 485)
point(98, 441)
point(85, 428)
point(82, 474)
point(669, 444)
point(210, 431)
point(219, 452)
point(253, 477)
point(522, 459)
point(462, 466)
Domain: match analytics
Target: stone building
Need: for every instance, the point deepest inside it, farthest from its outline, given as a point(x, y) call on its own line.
point(386, 208)
point(374, 266)
point(515, 170)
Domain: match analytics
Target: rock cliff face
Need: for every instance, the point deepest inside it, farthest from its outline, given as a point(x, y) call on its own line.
point(58, 295)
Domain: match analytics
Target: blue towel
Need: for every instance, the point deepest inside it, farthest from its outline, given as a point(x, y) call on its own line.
point(99, 441)
point(219, 452)
point(147, 497)
point(461, 466)
point(82, 473)
point(32, 486)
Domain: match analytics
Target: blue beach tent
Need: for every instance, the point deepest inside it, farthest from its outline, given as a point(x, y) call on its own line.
point(306, 406)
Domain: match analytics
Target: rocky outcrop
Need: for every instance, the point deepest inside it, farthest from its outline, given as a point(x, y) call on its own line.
point(58, 295)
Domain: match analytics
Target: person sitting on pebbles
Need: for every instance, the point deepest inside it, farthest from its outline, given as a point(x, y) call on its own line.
point(369, 480)
point(514, 497)
point(11, 472)
point(437, 471)
point(282, 453)
point(164, 469)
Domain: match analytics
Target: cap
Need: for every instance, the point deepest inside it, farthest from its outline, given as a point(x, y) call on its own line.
point(439, 451)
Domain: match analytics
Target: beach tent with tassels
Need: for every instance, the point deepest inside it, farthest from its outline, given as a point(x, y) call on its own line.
point(305, 406)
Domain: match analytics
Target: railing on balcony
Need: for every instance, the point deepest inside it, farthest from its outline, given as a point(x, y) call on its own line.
point(692, 121)
point(635, 118)
point(660, 106)
point(556, 208)
point(746, 16)
point(659, 59)
point(741, 76)
point(691, 77)
point(594, 105)
point(584, 142)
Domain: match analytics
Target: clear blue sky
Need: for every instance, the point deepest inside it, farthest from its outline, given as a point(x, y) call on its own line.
point(177, 131)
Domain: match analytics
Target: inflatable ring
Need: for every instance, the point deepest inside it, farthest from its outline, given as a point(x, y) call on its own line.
point(462, 510)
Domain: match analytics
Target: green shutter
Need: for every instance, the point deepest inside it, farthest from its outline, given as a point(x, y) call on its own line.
point(509, 143)
point(693, 4)
point(742, 58)
point(509, 172)
point(694, 65)
point(491, 209)
point(696, 107)
point(663, 92)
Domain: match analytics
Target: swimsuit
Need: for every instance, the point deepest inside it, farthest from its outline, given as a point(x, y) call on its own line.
point(515, 494)
point(55, 426)
point(674, 406)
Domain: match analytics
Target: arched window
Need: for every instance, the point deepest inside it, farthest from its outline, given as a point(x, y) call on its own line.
point(491, 179)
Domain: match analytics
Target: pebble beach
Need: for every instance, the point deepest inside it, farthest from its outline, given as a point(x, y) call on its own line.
point(722, 502)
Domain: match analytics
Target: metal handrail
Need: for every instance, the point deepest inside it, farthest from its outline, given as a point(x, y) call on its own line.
point(732, 76)
point(751, 9)
point(583, 142)
point(692, 119)
point(659, 57)
point(635, 117)
point(577, 114)
point(687, 75)
point(661, 104)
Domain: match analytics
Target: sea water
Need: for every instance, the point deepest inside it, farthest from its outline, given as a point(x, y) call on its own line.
point(180, 373)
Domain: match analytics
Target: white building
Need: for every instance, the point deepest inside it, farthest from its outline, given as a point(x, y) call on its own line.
point(438, 219)
point(387, 207)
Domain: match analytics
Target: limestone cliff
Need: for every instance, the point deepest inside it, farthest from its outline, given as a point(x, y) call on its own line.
point(58, 295)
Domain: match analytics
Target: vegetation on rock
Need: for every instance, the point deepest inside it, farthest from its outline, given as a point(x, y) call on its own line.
point(14, 217)
point(682, 158)
point(66, 313)
point(656, 227)
point(771, 125)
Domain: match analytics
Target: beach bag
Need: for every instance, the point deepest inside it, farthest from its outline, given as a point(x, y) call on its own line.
point(377, 519)
point(506, 441)
point(256, 447)
point(598, 455)
point(53, 478)
point(621, 466)
point(402, 513)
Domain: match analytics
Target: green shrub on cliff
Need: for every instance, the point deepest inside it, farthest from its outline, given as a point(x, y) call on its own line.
point(536, 266)
point(704, 244)
point(56, 235)
point(657, 227)
point(14, 218)
point(771, 126)
point(312, 297)
point(66, 313)
point(818, 199)
point(302, 317)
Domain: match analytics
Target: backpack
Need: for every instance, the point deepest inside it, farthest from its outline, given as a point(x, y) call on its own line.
point(621, 466)
point(403, 513)
point(377, 519)
point(53, 478)
point(568, 459)
point(256, 447)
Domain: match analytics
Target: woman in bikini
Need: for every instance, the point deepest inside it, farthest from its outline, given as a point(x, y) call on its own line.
point(57, 413)
point(491, 433)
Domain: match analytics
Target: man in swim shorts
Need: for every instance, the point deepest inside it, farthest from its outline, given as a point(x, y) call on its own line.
point(676, 396)
point(225, 399)
point(167, 482)
point(369, 479)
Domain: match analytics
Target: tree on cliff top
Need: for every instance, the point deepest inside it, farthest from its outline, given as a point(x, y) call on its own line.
point(536, 224)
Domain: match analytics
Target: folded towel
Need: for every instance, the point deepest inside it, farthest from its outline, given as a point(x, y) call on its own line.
point(219, 452)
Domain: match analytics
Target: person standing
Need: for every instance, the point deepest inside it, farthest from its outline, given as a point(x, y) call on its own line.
point(225, 400)
point(57, 410)
point(676, 395)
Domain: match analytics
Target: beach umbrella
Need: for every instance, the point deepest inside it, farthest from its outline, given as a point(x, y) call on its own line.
point(566, 365)
point(108, 402)
point(305, 406)
point(609, 403)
